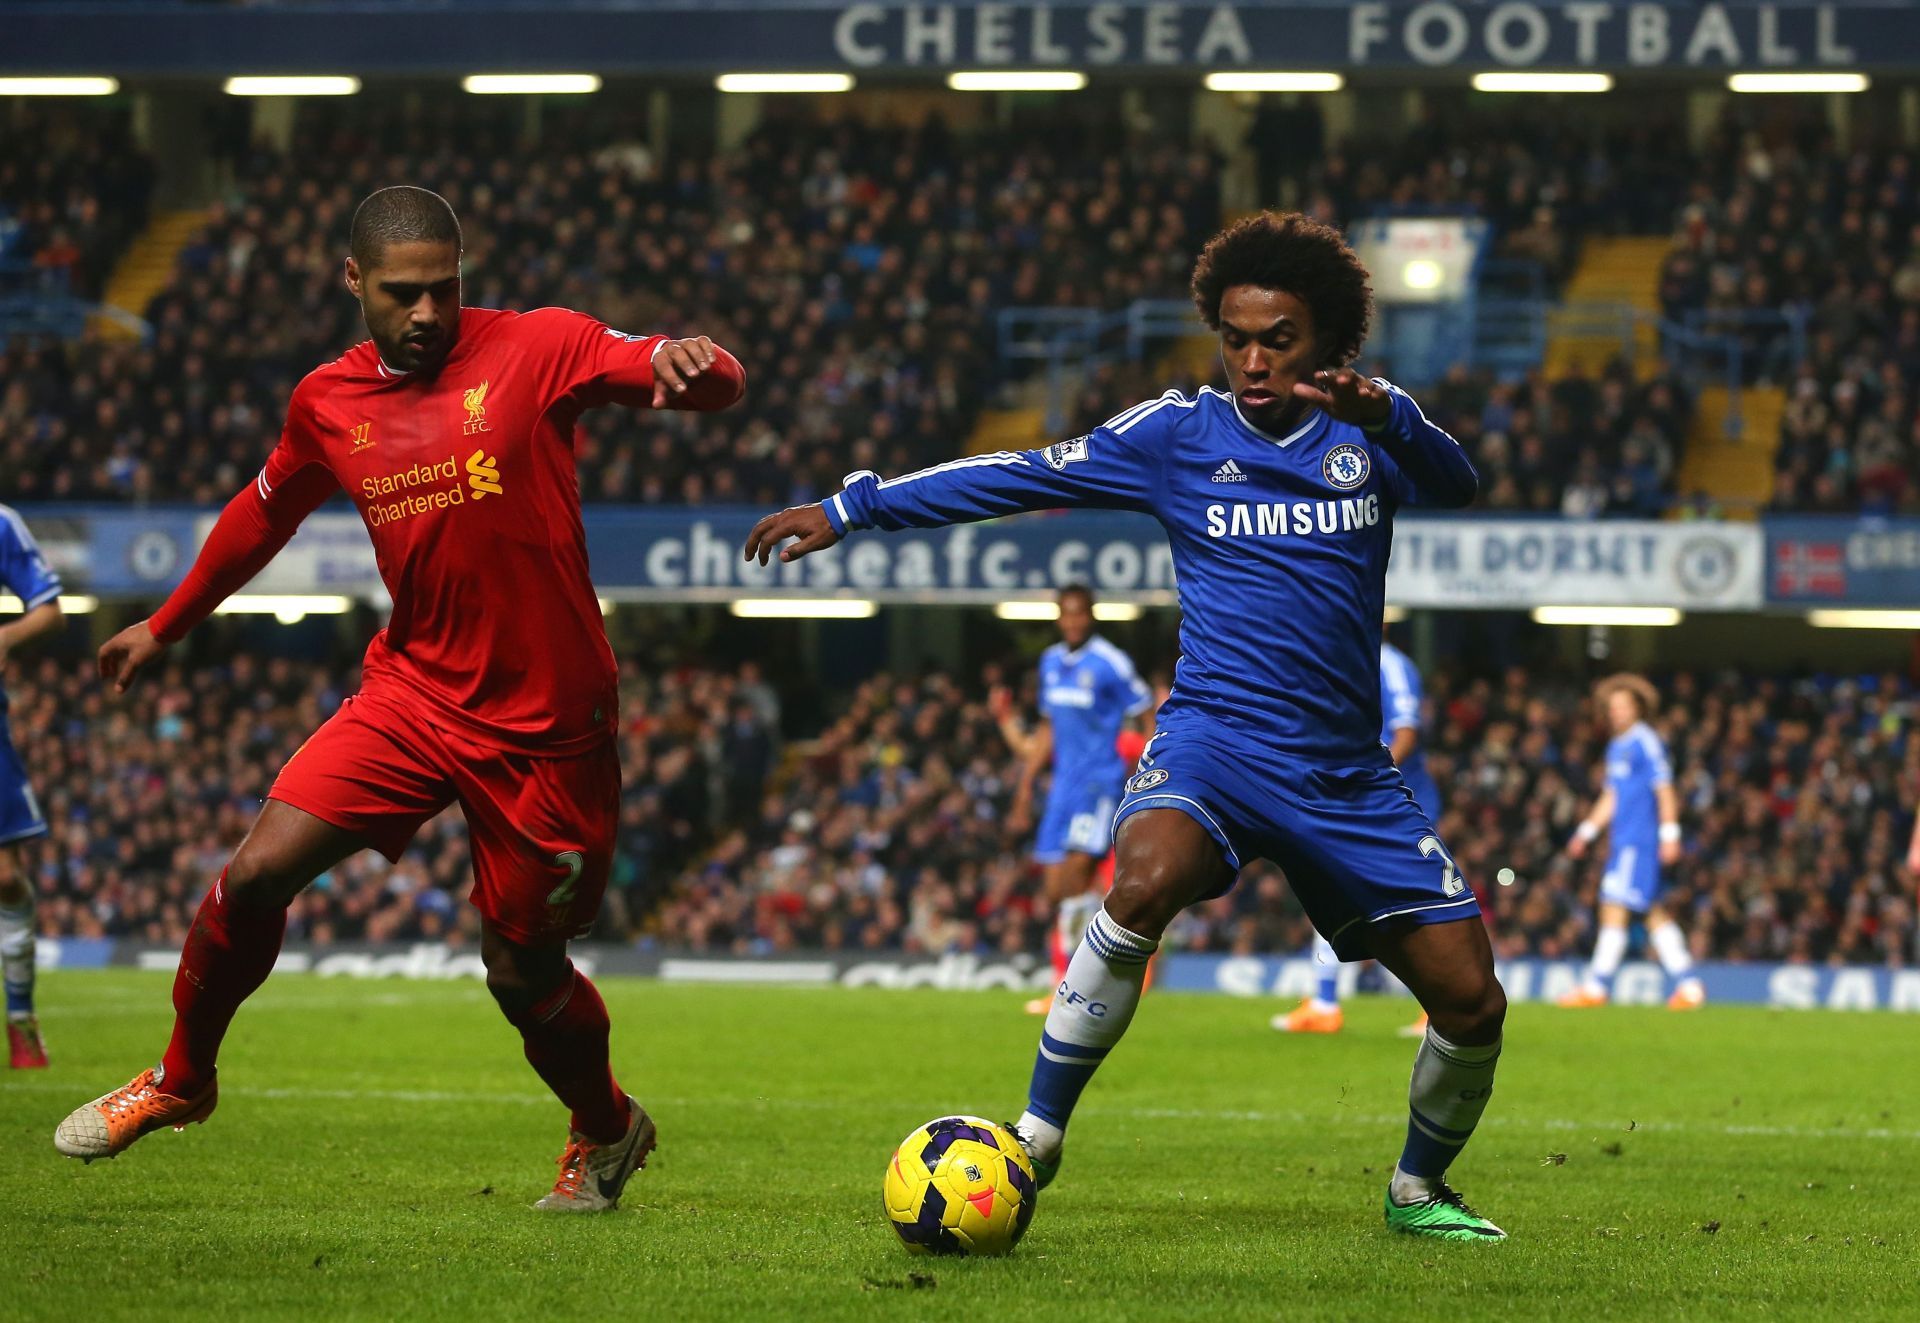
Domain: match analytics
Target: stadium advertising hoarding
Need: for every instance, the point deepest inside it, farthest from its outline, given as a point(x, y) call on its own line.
point(1783, 986)
point(640, 36)
point(677, 554)
point(1852, 562)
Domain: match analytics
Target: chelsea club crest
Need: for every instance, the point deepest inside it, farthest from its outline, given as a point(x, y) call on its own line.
point(1346, 466)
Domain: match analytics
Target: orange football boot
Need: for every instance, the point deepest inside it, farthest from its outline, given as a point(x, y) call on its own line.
point(1306, 1018)
point(1582, 997)
point(108, 1125)
point(1689, 996)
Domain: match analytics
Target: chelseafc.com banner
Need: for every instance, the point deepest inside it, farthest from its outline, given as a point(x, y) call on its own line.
point(679, 554)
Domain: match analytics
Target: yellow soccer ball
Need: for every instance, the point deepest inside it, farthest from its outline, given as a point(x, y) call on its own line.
point(960, 1185)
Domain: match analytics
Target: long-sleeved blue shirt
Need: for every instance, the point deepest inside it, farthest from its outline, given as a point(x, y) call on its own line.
point(1279, 544)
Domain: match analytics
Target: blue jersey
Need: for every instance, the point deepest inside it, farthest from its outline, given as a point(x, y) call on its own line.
point(1636, 766)
point(1400, 710)
point(1087, 695)
point(24, 571)
point(1399, 700)
point(1279, 544)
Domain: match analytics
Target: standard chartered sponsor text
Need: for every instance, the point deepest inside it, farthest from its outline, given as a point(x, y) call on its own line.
point(380, 513)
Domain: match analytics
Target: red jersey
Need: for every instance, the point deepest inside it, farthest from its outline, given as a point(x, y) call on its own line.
point(466, 482)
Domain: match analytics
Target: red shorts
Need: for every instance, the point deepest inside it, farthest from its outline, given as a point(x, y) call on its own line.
point(541, 829)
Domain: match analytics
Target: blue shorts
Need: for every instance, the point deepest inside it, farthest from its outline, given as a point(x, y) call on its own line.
point(1632, 878)
point(1356, 849)
point(1425, 793)
point(1078, 820)
point(20, 816)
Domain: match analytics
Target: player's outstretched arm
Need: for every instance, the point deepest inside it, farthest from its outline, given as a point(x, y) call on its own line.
point(1432, 460)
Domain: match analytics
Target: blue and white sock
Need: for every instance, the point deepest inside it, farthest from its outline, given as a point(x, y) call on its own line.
point(16, 956)
point(1091, 1009)
point(1326, 967)
point(1609, 949)
point(1449, 1090)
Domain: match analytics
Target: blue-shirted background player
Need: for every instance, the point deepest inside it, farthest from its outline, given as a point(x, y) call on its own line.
point(1400, 698)
point(25, 574)
point(1089, 690)
point(1642, 810)
point(1278, 499)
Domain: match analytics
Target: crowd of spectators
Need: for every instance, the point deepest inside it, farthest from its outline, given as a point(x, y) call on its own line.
point(147, 795)
point(1809, 254)
point(857, 271)
point(888, 828)
point(73, 190)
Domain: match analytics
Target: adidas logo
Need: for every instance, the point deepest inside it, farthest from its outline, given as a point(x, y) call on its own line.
point(1229, 472)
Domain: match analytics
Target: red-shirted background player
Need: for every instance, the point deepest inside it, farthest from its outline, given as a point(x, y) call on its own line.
point(492, 686)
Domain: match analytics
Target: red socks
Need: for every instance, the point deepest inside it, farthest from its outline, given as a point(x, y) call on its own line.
point(566, 1043)
point(229, 952)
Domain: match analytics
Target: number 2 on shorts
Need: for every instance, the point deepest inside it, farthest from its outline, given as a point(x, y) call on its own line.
point(574, 862)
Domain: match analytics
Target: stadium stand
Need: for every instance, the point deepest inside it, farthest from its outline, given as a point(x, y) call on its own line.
point(1790, 222)
point(860, 269)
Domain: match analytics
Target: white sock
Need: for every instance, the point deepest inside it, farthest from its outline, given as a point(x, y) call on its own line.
point(1608, 951)
point(16, 955)
point(1670, 945)
point(1326, 975)
point(1091, 1010)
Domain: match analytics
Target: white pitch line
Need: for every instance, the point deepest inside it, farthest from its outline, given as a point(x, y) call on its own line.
point(441, 1098)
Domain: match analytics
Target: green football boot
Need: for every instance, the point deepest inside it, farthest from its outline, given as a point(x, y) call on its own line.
point(1443, 1215)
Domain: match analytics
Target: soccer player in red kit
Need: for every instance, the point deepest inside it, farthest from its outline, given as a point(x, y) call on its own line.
point(492, 686)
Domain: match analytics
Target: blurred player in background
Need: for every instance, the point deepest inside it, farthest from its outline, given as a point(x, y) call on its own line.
point(1089, 690)
point(24, 572)
point(1278, 498)
point(492, 686)
point(1400, 697)
point(1642, 813)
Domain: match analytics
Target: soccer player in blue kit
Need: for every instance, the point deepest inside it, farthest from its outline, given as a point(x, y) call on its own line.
point(1089, 690)
point(1400, 733)
point(23, 572)
point(1640, 811)
point(1278, 498)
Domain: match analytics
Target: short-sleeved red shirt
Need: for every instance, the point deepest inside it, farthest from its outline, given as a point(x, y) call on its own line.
point(466, 482)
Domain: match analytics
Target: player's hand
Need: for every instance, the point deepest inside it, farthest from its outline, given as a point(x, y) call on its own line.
point(1576, 848)
point(1669, 852)
point(805, 523)
point(675, 364)
point(127, 653)
point(1000, 702)
point(1346, 396)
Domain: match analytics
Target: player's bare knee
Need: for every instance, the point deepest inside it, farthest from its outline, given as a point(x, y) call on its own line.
point(1147, 894)
point(258, 877)
point(1474, 1013)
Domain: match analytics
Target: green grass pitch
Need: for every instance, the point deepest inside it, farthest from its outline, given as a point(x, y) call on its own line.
point(378, 1144)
